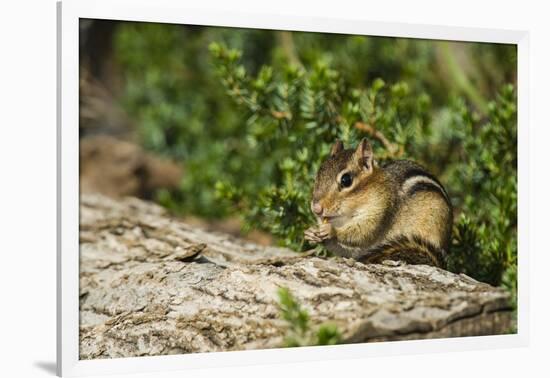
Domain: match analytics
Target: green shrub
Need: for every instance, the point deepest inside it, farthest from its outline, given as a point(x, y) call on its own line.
point(485, 233)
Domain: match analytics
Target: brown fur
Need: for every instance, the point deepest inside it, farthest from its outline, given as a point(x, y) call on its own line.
point(395, 211)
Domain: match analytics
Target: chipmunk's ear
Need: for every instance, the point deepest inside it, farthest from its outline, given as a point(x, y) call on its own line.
point(336, 147)
point(364, 155)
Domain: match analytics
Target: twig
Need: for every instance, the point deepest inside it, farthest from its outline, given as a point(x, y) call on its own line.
point(393, 149)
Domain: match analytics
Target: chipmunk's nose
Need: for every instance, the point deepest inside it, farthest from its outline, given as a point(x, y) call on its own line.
point(316, 208)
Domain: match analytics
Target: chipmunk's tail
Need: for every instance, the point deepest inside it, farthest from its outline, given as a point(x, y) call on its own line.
point(411, 249)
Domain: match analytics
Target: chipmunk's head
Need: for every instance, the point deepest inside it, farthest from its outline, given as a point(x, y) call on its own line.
point(342, 181)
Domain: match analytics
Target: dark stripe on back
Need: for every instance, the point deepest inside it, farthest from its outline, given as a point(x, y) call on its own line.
point(403, 170)
point(427, 187)
point(420, 172)
point(423, 186)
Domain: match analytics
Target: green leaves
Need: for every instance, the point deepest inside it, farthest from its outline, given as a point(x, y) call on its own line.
point(485, 235)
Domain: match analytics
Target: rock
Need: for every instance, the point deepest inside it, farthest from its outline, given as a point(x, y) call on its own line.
point(119, 168)
point(151, 285)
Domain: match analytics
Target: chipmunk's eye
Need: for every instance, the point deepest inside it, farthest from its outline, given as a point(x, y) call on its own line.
point(346, 180)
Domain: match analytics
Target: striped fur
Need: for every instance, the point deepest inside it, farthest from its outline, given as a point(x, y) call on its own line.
point(413, 250)
point(413, 178)
point(424, 183)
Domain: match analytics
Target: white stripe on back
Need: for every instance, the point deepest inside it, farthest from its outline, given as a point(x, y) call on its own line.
point(412, 181)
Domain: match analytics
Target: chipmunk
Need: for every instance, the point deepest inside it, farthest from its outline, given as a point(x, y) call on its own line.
point(372, 213)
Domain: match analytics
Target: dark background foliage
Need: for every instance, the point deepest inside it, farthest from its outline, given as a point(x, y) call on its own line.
point(250, 114)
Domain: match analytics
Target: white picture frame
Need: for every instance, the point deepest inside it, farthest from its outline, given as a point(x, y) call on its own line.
point(172, 11)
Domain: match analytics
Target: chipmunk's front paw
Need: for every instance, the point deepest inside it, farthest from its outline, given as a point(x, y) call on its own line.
point(325, 231)
point(311, 235)
point(317, 234)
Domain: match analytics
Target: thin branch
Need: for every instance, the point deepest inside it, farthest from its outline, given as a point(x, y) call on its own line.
point(393, 149)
